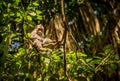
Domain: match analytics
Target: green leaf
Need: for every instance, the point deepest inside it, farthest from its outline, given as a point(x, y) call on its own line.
point(5, 15)
point(18, 14)
point(32, 13)
point(12, 14)
point(29, 8)
point(107, 51)
point(81, 54)
point(39, 17)
point(113, 66)
point(18, 0)
point(28, 35)
point(25, 28)
point(82, 61)
point(19, 62)
point(21, 51)
point(13, 35)
point(29, 18)
point(38, 12)
point(17, 19)
point(88, 60)
point(97, 57)
point(35, 4)
point(95, 61)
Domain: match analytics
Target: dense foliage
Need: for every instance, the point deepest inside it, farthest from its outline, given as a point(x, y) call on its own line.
point(89, 35)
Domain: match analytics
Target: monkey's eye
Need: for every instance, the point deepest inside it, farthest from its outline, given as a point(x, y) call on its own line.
point(40, 30)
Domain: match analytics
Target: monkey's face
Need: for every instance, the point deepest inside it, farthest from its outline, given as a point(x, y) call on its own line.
point(40, 32)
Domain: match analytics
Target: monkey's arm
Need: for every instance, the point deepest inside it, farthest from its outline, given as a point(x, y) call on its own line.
point(48, 42)
point(35, 36)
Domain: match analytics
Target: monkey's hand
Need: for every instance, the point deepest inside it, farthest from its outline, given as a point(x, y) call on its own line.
point(52, 43)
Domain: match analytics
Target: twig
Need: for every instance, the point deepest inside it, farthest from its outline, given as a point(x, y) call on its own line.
point(104, 60)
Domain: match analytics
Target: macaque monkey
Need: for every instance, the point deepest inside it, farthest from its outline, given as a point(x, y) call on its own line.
point(38, 40)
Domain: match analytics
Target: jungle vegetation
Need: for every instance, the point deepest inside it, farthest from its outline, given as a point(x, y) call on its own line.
point(89, 31)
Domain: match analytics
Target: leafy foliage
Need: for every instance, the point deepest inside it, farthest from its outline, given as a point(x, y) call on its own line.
point(38, 66)
point(96, 59)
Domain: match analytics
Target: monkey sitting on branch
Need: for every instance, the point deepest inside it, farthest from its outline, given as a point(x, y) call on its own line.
point(38, 40)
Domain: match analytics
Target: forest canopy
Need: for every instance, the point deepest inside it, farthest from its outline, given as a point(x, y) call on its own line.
point(87, 33)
